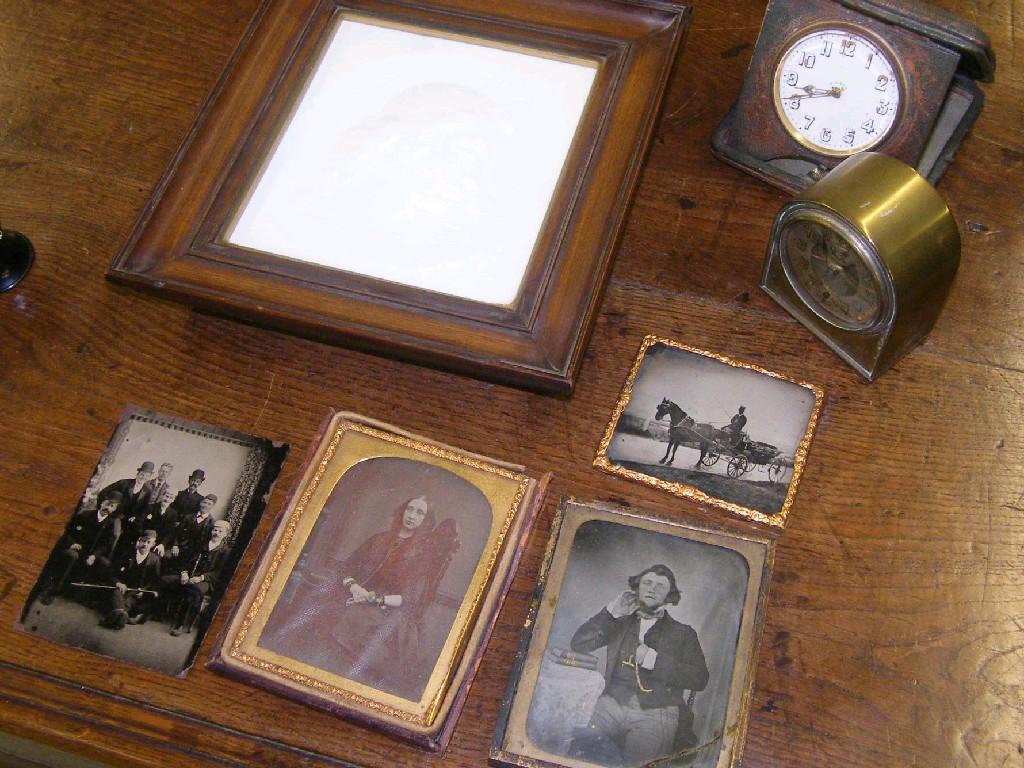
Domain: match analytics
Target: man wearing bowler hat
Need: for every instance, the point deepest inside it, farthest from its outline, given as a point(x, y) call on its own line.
point(135, 493)
point(188, 499)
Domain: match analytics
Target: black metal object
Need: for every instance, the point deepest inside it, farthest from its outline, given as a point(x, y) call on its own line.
point(16, 257)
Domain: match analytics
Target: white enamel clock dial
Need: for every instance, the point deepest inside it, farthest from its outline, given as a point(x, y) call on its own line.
point(837, 91)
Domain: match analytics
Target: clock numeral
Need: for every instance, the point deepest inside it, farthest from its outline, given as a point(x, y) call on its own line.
point(807, 60)
point(882, 83)
point(849, 136)
point(794, 104)
point(847, 47)
point(791, 78)
point(869, 127)
point(826, 135)
point(871, 57)
point(826, 49)
point(808, 122)
point(883, 107)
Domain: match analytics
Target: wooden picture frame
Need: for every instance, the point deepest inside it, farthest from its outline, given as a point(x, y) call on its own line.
point(671, 399)
point(378, 590)
point(566, 707)
point(196, 241)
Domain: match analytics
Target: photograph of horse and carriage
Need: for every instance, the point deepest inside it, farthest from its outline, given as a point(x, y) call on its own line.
point(707, 427)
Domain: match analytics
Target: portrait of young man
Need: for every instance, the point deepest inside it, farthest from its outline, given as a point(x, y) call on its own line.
point(639, 655)
point(653, 661)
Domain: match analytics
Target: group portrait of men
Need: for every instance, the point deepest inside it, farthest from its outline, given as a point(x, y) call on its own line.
point(141, 550)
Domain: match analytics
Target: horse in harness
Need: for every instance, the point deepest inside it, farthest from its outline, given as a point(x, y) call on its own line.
point(683, 430)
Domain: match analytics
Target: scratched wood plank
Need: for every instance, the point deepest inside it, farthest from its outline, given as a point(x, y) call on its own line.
point(112, 86)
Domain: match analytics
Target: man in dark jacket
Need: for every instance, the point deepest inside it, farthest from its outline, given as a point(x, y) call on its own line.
point(188, 499)
point(201, 578)
point(162, 517)
point(652, 661)
point(736, 425)
point(160, 483)
point(195, 530)
point(136, 579)
point(85, 549)
point(134, 492)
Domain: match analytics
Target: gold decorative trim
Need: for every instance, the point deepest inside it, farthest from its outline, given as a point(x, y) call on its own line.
point(278, 556)
point(777, 519)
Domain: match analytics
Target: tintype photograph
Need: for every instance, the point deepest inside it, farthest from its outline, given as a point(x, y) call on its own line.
point(145, 556)
point(640, 647)
point(704, 426)
point(387, 570)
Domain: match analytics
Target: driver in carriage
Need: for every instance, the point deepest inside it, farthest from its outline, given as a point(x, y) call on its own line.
point(735, 428)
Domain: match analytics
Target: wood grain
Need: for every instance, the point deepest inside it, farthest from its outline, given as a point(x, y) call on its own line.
point(895, 625)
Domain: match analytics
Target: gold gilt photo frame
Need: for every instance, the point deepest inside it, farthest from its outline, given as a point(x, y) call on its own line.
point(609, 671)
point(379, 588)
point(704, 426)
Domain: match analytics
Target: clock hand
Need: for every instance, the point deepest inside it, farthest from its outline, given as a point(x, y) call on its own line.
point(810, 92)
point(842, 273)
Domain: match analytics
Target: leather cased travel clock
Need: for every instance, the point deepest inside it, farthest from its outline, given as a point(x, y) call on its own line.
point(830, 78)
point(864, 259)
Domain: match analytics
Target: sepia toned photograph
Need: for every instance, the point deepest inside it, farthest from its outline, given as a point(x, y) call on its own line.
point(146, 555)
point(640, 648)
point(383, 580)
point(382, 575)
point(705, 426)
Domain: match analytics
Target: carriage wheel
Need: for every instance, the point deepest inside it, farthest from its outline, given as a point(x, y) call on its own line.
point(737, 466)
point(710, 459)
point(775, 471)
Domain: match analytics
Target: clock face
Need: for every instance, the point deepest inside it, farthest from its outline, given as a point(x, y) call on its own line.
point(831, 274)
point(837, 91)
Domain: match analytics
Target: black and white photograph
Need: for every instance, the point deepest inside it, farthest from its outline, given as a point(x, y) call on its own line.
point(644, 658)
point(705, 426)
point(146, 554)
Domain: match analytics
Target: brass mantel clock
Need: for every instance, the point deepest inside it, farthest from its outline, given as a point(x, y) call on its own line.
point(830, 78)
point(864, 258)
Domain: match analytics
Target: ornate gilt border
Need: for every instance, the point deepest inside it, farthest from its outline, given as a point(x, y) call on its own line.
point(279, 552)
point(777, 519)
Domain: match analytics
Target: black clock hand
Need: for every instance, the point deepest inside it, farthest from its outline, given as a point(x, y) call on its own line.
point(810, 92)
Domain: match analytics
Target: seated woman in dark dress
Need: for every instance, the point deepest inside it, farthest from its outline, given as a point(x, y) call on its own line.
point(377, 631)
point(367, 621)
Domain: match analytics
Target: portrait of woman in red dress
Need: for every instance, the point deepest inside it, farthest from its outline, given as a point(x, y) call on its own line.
point(378, 613)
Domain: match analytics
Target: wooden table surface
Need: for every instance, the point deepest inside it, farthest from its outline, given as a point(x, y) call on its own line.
point(895, 626)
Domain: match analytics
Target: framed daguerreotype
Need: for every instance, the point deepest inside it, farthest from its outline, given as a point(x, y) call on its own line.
point(146, 555)
point(711, 428)
point(640, 646)
point(379, 588)
point(441, 180)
